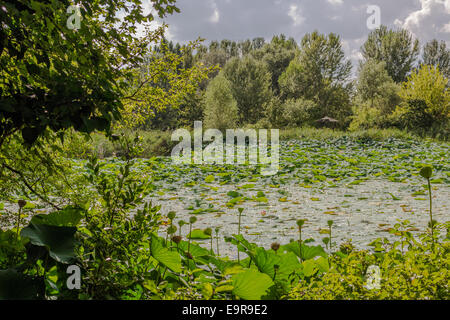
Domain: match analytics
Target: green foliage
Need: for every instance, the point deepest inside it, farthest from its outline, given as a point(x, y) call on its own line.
point(277, 55)
point(375, 84)
point(320, 73)
point(428, 85)
point(47, 86)
point(300, 112)
point(168, 258)
point(251, 285)
point(221, 110)
point(436, 54)
point(418, 273)
point(250, 86)
point(394, 47)
point(162, 82)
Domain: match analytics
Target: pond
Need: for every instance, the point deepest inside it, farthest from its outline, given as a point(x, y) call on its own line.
point(364, 187)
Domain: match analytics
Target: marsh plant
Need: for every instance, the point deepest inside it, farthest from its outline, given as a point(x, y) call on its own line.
point(300, 224)
point(330, 225)
point(239, 227)
point(427, 172)
point(208, 232)
point(217, 229)
point(192, 220)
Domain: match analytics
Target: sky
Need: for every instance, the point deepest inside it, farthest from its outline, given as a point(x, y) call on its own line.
point(244, 19)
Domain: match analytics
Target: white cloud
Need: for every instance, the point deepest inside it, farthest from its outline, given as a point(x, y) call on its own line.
point(335, 2)
point(446, 28)
point(430, 21)
point(215, 17)
point(294, 13)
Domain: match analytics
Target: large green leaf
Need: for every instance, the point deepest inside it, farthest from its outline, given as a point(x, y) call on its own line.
point(266, 261)
point(68, 217)
point(16, 286)
point(198, 234)
point(195, 250)
point(170, 259)
point(242, 244)
point(307, 252)
point(59, 241)
point(251, 285)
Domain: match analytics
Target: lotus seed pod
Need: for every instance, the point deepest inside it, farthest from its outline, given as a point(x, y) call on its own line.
point(21, 203)
point(177, 239)
point(171, 215)
point(275, 246)
point(300, 222)
point(192, 219)
point(426, 172)
point(172, 230)
point(208, 231)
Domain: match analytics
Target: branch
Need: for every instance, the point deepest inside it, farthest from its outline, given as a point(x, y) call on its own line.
point(30, 187)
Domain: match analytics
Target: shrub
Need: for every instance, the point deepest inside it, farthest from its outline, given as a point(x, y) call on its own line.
point(298, 112)
point(430, 86)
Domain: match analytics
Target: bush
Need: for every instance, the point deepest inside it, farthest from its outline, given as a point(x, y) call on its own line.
point(419, 272)
point(429, 86)
point(298, 112)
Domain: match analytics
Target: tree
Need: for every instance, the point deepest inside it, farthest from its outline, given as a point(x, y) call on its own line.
point(395, 47)
point(436, 54)
point(55, 77)
point(250, 86)
point(374, 82)
point(163, 83)
point(221, 111)
point(319, 73)
point(277, 55)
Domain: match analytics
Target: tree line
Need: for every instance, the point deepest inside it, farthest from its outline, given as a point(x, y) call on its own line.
point(285, 83)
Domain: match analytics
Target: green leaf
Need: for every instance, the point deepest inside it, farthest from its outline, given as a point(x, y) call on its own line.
point(195, 250)
point(251, 285)
point(266, 260)
point(309, 268)
point(68, 217)
point(17, 286)
point(322, 264)
point(234, 194)
point(307, 252)
point(198, 234)
point(170, 259)
point(59, 241)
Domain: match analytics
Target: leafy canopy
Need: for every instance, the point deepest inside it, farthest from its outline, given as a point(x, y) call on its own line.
point(56, 77)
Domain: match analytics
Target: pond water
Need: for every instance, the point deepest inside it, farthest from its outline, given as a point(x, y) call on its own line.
point(360, 212)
